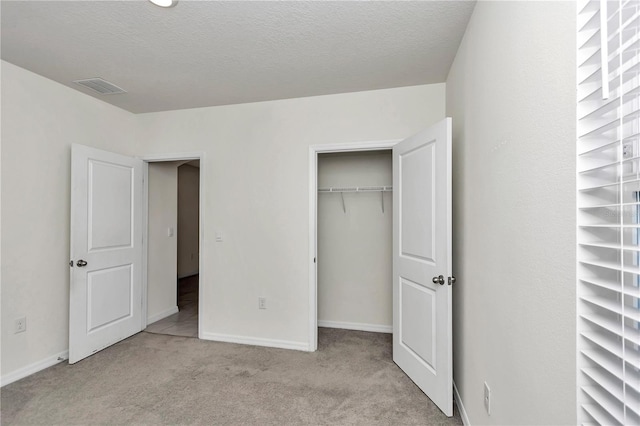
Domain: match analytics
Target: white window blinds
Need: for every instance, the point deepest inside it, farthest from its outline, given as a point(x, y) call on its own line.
point(608, 198)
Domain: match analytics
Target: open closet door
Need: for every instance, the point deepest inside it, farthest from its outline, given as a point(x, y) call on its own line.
point(105, 302)
point(422, 327)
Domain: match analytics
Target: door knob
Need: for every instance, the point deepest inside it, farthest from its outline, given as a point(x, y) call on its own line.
point(438, 280)
point(452, 280)
point(80, 263)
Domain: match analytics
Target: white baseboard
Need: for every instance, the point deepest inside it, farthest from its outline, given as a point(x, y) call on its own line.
point(255, 341)
point(356, 326)
point(161, 315)
point(463, 412)
point(30, 369)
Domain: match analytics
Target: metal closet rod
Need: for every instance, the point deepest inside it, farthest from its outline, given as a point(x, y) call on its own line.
point(357, 189)
point(344, 189)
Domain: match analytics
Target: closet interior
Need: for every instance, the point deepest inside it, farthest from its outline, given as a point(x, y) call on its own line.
point(355, 240)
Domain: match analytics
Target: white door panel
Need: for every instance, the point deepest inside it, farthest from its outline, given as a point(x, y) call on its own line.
point(110, 196)
point(422, 327)
point(417, 215)
point(106, 233)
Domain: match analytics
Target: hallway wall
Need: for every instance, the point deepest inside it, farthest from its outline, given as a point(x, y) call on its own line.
point(162, 248)
point(188, 220)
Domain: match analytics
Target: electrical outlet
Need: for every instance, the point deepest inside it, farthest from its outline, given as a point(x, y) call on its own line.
point(487, 398)
point(262, 303)
point(20, 325)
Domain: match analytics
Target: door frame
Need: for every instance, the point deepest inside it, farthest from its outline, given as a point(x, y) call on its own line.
point(314, 150)
point(163, 158)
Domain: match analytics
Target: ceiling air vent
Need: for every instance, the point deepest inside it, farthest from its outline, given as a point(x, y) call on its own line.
point(101, 86)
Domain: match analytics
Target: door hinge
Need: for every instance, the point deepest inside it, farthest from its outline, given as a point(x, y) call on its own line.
point(452, 280)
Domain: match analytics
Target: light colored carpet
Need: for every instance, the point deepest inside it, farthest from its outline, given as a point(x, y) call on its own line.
point(159, 379)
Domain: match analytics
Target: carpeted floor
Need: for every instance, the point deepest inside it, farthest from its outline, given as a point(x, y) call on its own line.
point(159, 379)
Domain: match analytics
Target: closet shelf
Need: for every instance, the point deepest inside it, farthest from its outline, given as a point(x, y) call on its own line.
point(357, 189)
point(342, 189)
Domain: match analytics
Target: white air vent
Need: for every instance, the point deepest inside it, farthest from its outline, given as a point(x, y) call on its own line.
point(101, 86)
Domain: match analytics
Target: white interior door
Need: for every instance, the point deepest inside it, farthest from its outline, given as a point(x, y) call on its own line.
point(106, 250)
point(422, 329)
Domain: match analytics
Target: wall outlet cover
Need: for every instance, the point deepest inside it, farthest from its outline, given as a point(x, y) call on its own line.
point(487, 398)
point(20, 325)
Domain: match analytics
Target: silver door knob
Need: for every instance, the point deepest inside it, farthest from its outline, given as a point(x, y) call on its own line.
point(438, 280)
point(80, 263)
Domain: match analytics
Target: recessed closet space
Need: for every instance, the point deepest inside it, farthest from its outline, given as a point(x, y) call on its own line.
point(354, 237)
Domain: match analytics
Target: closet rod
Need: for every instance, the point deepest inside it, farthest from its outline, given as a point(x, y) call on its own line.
point(357, 189)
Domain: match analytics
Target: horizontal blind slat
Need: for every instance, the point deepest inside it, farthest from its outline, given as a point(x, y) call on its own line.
point(632, 401)
point(613, 386)
point(608, 305)
point(608, 188)
point(587, 6)
point(608, 205)
point(613, 164)
point(605, 342)
point(603, 322)
point(632, 418)
point(599, 415)
point(606, 402)
point(591, 107)
point(612, 226)
point(610, 325)
point(604, 360)
point(612, 185)
point(632, 357)
point(633, 379)
point(610, 285)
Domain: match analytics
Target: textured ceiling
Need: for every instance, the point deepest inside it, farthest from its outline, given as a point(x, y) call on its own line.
point(202, 53)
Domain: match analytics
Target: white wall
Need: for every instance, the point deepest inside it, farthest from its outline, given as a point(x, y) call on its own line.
point(40, 121)
point(188, 220)
point(256, 177)
point(355, 247)
point(511, 93)
point(162, 275)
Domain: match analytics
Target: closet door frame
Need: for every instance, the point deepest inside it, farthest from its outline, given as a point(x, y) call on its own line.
point(314, 151)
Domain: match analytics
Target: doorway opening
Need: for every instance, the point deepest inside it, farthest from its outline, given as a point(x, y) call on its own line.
point(351, 238)
point(174, 272)
point(421, 255)
point(188, 265)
